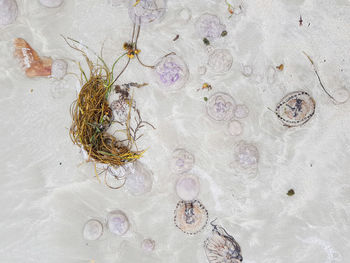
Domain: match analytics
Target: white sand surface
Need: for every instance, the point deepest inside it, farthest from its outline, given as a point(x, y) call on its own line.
point(47, 192)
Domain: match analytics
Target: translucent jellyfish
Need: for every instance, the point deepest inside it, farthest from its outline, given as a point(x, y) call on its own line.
point(235, 128)
point(220, 60)
point(190, 217)
point(182, 161)
point(221, 107)
point(93, 229)
point(247, 70)
point(246, 156)
point(51, 3)
point(171, 72)
point(146, 11)
point(296, 108)
point(118, 222)
point(115, 177)
point(242, 111)
point(341, 95)
point(59, 68)
point(187, 187)
point(8, 12)
point(148, 244)
point(222, 247)
point(139, 180)
point(209, 26)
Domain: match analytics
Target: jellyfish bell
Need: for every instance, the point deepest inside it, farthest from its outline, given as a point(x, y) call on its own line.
point(139, 180)
point(146, 11)
point(209, 26)
point(59, 68)
point(235, 128)
point(182, 161)
point(187, 187)
point(222, 247)
point(8, 12)
point(190, 217)
point(341, 95)
point(220, 60)
point(246, 157)
point(221, 107)
point(295, 109)
point(93, 230)
point(51, 3)
point(242, 111)
point(148, 244)
point(171, 72)
point(118, 222)
point(115, 177)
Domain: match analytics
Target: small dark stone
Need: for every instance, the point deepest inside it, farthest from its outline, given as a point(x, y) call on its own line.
point(291, 192)
point(205, 99)
point(60, 163)
point(206, 41)
point(224, 33)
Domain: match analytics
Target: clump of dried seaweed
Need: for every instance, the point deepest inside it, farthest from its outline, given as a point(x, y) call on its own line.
point(92, 115)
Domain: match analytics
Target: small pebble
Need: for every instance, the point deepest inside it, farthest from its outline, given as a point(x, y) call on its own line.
point(291, 192)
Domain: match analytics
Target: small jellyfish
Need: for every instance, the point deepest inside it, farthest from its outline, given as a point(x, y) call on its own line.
point(220, 60)
point(171, 72)
point(242, 111)
point(222, 247)
point(221, 107)
point(118, 222)
point(148, 244)
point(341, 95)
point(51, 3)
point(146, 11)
point(295, 109)
point(93, 229)
point(246, 156)
point(140, 180)
point(209, 26)
point(190, 217)
point(8, 12)
point(115, 177)
point(247, 70)
point(33, 65)
point(59, 68)
point(235, 128)
point(187, 187)
point(182, 161)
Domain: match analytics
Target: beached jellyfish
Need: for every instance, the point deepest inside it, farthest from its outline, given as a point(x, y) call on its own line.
point(209, 26)
point(247, 70)
point(115, 177)
point(171, 72)
point(118, 222)
point(146, 11)
point(246, 156)
point(296, 108)
point(93, 229)
point(139, 180)
point(221, 106)
point(341, 95)
point(59, 68)
point(182, 161)
point(190, 217)
point(8, 12)
point(120, 109)
point(187, 187)
point(241, 111)
point(51, 3)
point(222, 247)
point(235, 128)
point(220, 60)
point(148, 244)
